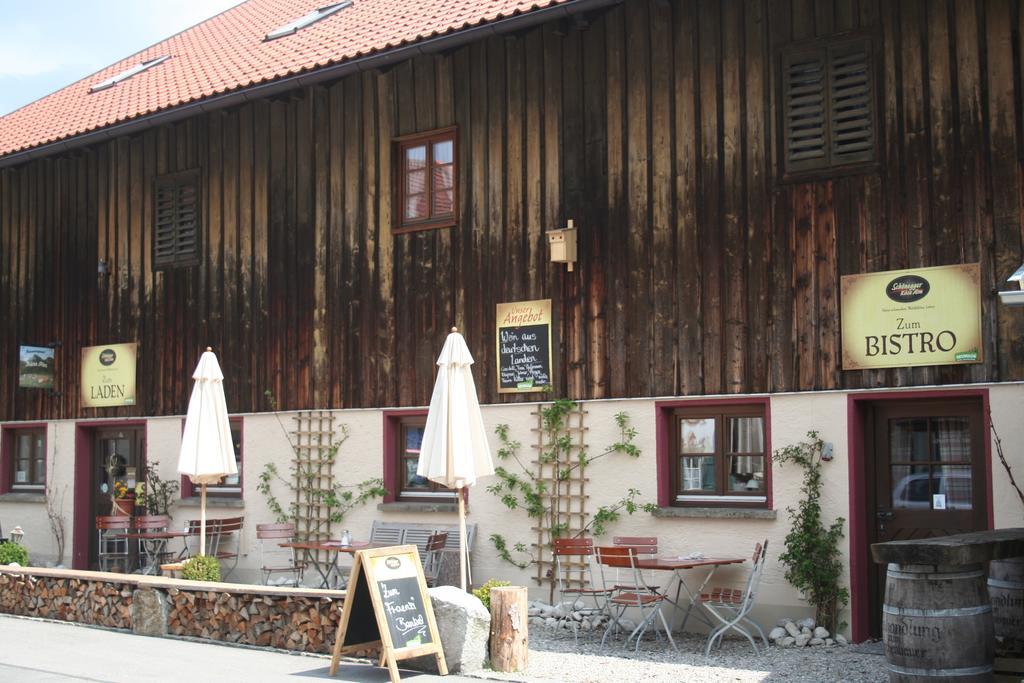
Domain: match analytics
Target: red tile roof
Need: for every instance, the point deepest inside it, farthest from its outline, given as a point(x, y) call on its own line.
point(227, 52)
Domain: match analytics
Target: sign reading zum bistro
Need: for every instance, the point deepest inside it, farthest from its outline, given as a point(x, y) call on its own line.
point(901, 318)
point(108, 375)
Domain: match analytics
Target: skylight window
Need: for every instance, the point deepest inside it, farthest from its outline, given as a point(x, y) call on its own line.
point(311, 18)
point(128, 73)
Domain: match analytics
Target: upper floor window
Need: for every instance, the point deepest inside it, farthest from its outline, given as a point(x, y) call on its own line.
point(425, 186)
point(828, 102)
point(176, 222)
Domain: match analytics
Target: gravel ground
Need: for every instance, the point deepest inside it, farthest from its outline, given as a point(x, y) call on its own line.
point(555, 657)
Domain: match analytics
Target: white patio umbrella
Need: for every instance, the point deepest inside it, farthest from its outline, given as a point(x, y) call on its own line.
point(207, 452)
point(455, 450)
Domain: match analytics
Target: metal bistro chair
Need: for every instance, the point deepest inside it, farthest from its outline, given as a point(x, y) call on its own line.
point(154, 550)
point(113, 551)
point(434, 557)
point(273, 558)
point(731, 606)
point(643, 547)
point(574, 578)
point(643, 598)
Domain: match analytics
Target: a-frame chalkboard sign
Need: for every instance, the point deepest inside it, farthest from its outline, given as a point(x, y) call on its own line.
point(387, 603)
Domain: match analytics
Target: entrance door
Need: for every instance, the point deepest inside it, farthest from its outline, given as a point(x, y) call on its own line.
point(929, 474)
point(118, 455)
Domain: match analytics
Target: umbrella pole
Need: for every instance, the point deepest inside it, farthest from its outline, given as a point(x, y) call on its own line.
point(462, 536)
point(202, 519)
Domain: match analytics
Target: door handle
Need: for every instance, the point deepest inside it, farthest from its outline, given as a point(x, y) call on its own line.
point(883, 516)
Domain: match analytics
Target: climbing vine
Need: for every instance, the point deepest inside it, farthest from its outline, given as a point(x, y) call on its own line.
point(521, 488)
point(305, 487)
point(812, 558)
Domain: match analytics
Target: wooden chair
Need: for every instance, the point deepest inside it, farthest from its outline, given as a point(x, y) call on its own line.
point(644, 599)
point(146, 546)
point(227, 543)
point(731, 606)
point(433, 562)
point(112, 549)
point(223, 538)
point(273, 558)
point(574, 579)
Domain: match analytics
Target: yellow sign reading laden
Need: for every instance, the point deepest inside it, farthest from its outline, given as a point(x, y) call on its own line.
point(108, 375)
point(900, 318)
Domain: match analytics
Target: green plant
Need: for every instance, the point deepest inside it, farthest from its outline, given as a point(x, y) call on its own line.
point(524, 489)
point(336, 498)
point(201, 568)
point(13, 552)
point(812, 558)
point(155, 494)
point(484, 591)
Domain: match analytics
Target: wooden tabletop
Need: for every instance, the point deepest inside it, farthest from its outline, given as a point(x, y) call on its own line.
point(960, 549)
point(153, 535)
point(335, 546)
point(673, 563)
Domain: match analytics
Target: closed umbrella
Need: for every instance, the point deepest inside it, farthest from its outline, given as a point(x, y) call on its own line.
point(207, 451)
point(454, 451)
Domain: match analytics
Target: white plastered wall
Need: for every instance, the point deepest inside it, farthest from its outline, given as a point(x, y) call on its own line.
point(267, 439)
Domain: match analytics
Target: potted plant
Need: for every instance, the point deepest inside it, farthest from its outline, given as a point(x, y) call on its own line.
point(123, 498)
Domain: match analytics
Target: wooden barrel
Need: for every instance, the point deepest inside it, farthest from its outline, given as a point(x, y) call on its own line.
point(937, 624)
point(1006, 590)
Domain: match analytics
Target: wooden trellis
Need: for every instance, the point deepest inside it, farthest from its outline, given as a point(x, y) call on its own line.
point(314, 472)
point(567, 498)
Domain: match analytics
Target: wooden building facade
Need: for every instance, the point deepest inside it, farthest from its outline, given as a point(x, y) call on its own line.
point(704, 268)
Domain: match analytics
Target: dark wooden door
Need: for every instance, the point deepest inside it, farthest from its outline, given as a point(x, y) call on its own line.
point(118, 455)
point(929, 476)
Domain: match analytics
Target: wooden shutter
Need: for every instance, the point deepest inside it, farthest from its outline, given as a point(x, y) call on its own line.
point(176, 220)
point(851, 108)
point(828, 106)
point(804, 124)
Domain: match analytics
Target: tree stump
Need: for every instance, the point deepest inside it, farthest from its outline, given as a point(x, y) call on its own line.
point(509, 638)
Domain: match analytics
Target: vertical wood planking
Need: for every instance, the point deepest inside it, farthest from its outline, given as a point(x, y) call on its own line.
point(1005, 176)
point(687, 168)
point(618, 228)
point(665, 351)
point(735, 320)
point(650, 124)
point(639, 338)
point(710, 205)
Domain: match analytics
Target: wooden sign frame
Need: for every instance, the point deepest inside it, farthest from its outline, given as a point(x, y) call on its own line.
point(524, 317)
point(364, 583)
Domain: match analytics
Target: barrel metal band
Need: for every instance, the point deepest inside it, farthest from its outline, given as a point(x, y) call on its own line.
point(934, 576)
point(950, 612)
point(966, 671)
point(999, 583)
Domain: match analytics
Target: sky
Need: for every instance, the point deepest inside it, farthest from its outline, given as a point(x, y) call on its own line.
point(49, 44)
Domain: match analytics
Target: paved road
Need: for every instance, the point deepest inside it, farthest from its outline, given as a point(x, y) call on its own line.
point(38, 651)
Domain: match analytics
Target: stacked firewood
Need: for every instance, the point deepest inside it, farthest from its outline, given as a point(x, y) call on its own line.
point(85, 602)
point(306, 624)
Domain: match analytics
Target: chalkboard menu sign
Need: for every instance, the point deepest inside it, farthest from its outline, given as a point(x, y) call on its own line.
point(524, 346)
point(387, 603)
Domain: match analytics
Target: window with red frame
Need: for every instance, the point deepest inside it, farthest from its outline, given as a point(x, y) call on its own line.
point(229, 487)
point(426, 181)
point(408, 439)
point(718, 456)
point(27, 453)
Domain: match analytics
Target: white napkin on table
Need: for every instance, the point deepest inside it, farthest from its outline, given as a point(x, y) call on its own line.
point(697, 555)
